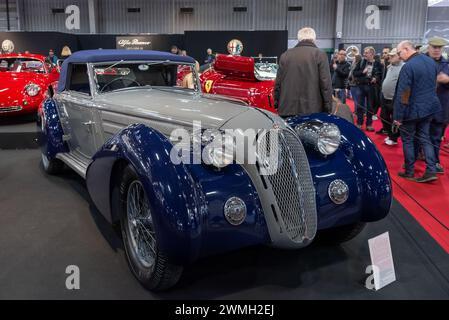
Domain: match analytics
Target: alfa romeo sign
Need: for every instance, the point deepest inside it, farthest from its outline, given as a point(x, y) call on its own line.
point(133, 43)
point(235, 47)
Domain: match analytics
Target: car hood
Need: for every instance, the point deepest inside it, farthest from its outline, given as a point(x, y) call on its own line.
point(15, 82)
point(172, 105)
point(17, 78)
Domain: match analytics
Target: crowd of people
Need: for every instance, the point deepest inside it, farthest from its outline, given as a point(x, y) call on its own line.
point(409, 87)
point(210, 57)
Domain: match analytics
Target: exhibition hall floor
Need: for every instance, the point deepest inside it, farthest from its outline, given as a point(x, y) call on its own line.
point(48, 223)
point(18, 133)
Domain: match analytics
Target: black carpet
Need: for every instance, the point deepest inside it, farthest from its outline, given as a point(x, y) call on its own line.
point(48, 223)
point(18, 132)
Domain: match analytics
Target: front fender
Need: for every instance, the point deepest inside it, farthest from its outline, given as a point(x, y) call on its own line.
point(174, 197)
point(359, 163)
point(50, 133)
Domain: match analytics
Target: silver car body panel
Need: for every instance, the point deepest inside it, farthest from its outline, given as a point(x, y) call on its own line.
point(162, 109)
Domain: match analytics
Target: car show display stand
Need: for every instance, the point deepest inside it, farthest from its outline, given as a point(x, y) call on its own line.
point(18, 133)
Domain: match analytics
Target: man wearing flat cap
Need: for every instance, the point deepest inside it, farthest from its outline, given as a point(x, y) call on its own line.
point(440, 119)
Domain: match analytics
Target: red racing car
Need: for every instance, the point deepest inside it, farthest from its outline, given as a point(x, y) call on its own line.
point(252, 82)
point(241, 78)
point(24, 80)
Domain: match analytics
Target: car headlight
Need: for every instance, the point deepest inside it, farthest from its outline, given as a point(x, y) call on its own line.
point(32, 89)
point(219, 149)
point(323, 137)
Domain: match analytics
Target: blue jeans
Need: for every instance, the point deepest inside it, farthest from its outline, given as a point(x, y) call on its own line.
point(436, 135)
point(411, 132)
point(365, 105)
point(341, 94)
point(355, 94)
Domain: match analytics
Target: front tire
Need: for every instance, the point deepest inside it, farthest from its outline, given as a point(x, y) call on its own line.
point(148, 264)
point(51, 166)
point(341, 234)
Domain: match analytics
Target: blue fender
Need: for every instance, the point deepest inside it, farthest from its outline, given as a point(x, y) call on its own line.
point(50, 136)
point(359, 163)
point(186, 200)
point(173, 196)
point(217, 187)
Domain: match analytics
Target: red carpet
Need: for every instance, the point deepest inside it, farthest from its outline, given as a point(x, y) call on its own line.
point(427, 203)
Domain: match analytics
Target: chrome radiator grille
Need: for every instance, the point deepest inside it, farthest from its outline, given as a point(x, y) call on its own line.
point(292, 186)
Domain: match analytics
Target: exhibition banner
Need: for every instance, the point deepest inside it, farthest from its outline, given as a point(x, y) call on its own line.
point(133, 43)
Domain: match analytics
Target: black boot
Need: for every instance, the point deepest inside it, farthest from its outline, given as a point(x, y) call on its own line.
point(408, 176)
point(427, 177)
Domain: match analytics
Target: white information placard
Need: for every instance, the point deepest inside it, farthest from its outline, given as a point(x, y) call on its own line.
point(382, 261)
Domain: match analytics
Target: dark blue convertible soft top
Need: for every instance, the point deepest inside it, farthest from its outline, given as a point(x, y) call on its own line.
point(111, 55)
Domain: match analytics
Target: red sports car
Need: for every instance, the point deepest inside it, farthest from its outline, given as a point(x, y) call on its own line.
point(245, 79)
point(24, 80)
point(241, 78)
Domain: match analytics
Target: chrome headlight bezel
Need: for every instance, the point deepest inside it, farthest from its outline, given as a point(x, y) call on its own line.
point(338, 192)
point(323, 137)
point(235, 211)
point(32, 89)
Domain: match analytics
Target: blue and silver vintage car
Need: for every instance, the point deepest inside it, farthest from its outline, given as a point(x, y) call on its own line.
point(112, 119)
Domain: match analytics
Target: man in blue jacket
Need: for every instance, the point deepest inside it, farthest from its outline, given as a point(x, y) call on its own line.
point(415, 105)
point(441, 119)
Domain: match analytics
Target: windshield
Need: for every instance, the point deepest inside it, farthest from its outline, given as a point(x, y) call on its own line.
point(127, 75)
point(21, 65)
point(265, 71)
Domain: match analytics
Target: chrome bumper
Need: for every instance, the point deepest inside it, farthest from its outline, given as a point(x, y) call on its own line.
point(10, 109)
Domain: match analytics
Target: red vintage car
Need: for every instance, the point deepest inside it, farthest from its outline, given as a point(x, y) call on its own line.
point(241, 78)
point(24, 80)
point(251, 81)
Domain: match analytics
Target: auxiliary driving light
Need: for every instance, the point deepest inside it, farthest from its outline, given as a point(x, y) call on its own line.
point(338, 192)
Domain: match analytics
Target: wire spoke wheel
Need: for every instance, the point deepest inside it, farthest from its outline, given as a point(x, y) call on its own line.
point(146, 258)
point(140, 225)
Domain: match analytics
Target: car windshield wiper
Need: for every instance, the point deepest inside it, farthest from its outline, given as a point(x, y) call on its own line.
point(148, 64)
point(165, 62)
point(115, 64)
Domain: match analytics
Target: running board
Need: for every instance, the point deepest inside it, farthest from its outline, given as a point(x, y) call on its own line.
point(78, 163)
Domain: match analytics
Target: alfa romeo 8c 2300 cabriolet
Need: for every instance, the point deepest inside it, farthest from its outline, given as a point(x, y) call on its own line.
point(186, 176)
